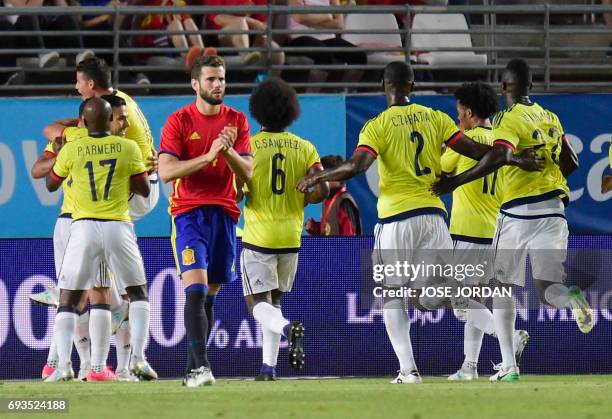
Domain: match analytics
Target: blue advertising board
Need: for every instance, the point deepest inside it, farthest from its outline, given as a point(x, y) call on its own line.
point(587, 124)
point(32, 210)
point(344, 336)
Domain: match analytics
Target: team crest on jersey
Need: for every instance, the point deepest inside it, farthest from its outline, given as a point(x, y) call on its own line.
point(188, 256)
point(195, 136)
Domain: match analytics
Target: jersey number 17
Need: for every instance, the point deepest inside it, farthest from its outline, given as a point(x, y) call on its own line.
point(112, 163)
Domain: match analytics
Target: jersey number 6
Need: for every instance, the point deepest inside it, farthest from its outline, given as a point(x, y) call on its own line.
point(278, 175)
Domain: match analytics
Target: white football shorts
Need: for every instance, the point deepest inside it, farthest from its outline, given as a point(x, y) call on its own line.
point(419, 240)
point(476, 255)
point(93, 242)
point(543, 238)
point(262, 272)
point(61, 233)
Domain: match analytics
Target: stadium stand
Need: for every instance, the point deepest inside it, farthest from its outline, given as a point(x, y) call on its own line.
point(566, 41)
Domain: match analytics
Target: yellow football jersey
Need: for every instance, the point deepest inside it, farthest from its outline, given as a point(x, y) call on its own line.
point(138, 130)
point(475, 204)
point(274, 209)
point(407, 141)
point(71, 134)
point(100, 169)
point(530, 126)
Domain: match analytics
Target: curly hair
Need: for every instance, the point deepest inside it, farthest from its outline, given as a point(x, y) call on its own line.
point(479, 97)
point(274, 104)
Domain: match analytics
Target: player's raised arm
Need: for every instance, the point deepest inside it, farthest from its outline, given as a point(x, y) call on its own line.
point(359, 162)
point(498, 156)
point(56, 128)
point(43, 164)
point(464, 145)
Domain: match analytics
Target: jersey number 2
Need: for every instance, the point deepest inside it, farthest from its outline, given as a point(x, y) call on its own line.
point(416, 136)
point(278, 175)
point(109, 178)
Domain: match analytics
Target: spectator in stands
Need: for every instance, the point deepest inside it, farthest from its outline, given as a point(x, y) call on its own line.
point(231, 22)
point(171, 22)
point(34, 24)
point(322, 22)
point(340, 215)
point(9, 42)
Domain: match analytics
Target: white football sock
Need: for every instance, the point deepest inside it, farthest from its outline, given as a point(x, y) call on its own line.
point(65, 323)
point(100, 332)
point(504, 315)
point(123, 346)
point(139, 328)
point(82, 339)
point(557, 295)
point(397, 324)
point(269, 346)
point(52, 355)
point(480, 316)
point(270, 317)
point(472, 342)
point(115, 298)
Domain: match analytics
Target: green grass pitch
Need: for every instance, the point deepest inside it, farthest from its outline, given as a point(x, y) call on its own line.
point(567, 396)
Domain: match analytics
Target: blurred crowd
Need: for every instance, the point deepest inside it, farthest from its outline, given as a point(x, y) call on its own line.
point(52, 48)
point(68, 49)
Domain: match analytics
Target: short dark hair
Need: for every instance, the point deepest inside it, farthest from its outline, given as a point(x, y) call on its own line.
point(114, 100)
point(331, 161)
point(398, 74)
point(97, 70)
point(205, 61)
point(479, 97)
point(274, 104)
point(521, 72)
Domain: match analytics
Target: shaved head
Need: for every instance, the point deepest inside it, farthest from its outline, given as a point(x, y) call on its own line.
point(398, 75)
point(97, 114)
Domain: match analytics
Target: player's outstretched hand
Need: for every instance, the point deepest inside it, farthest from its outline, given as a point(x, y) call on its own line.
point(530, 161)
point(606, 184)
point(445, 185)
point(306, 183)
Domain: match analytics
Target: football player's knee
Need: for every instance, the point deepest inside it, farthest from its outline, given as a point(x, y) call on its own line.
point(69, 300)
point(541, 286)
point(137, 293)
point(460, 314)
point(277, 296)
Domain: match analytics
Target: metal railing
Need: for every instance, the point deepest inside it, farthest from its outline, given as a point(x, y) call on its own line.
point(560, 58)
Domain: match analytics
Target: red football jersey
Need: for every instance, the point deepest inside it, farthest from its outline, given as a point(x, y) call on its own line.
point(189, 134)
